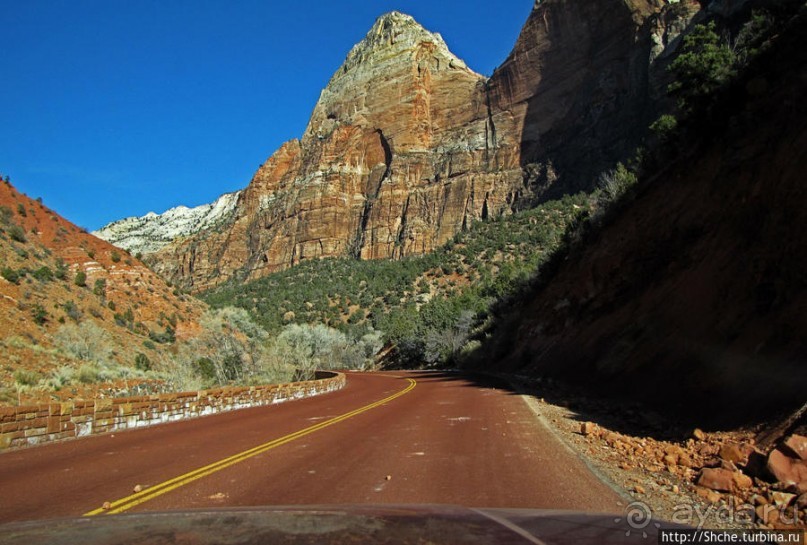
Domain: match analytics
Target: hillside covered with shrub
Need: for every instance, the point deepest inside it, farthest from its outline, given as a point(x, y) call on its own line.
point(424, 306)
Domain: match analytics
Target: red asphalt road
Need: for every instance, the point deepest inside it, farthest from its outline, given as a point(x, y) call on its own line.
point(447, 441)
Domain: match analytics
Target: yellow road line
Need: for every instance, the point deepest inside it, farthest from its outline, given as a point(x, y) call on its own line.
point(124, 504)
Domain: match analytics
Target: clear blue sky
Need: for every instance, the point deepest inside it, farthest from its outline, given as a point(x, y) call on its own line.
point(111, 109)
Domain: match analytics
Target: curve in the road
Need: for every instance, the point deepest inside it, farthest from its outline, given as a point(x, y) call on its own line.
point(124, 504)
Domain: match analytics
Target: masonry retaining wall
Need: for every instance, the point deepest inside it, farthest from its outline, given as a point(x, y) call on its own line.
point(35, 424)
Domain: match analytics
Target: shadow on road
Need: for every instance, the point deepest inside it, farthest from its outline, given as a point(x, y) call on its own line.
point(623, 416)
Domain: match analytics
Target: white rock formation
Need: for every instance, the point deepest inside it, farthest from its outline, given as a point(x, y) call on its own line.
point(149, 233)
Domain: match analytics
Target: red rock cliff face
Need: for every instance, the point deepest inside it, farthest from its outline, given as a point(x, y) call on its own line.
point(583, 83)
point(407, 146)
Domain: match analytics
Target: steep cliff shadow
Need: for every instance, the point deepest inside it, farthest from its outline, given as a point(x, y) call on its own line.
point(690, 298)
point(586, 88)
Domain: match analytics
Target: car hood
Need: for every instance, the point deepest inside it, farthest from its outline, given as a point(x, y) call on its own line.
point(336, 525)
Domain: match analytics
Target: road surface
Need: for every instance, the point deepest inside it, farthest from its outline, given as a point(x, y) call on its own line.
point(386, 438)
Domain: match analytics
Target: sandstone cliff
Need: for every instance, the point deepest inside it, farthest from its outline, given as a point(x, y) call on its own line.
point(406, 145)
point(692, 297)
point(397, 157)
point(583, 83)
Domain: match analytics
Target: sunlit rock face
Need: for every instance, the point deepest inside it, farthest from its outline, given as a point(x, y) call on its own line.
point(406, 145)
point(399, 155)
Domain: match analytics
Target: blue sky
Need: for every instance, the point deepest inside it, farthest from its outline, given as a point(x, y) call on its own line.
point(111, 109)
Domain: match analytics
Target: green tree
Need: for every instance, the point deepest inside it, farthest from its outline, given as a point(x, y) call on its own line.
point(706, 63)
point(81, 279)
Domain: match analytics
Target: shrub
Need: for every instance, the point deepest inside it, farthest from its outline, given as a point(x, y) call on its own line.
point(115, 256)
point(753, 35)
point(166, 337)
point(142, 362)
point(81, 279)
point(664, 126)
point(16, 233)
point(21, 210)
point(61, 270)
point(24, 377)
point(85, 341)
point(88, 374)
point(99, 288)
point(206, 368)
point(310, 347)
point(39, 314)
point(61, 378)
point(72, 311)
point(615, 183)
point(10, 274)
point(43, 274)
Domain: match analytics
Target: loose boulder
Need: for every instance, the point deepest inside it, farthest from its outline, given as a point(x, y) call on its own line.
point(716, 478)
point(795, 446)
point(786, 469)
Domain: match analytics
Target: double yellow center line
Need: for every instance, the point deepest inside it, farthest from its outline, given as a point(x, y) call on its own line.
point(124, 504)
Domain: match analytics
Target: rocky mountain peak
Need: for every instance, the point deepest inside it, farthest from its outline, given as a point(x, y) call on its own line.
point(396, 49)
point(395, 33)
point(407, 146)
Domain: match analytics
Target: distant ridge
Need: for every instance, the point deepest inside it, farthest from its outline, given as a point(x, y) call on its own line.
point(147, 234)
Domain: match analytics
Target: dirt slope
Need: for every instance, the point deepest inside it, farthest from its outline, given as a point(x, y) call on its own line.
point(37, 301)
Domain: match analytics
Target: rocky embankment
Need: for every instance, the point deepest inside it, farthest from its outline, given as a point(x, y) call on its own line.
point(768, 489)
point(710, 479)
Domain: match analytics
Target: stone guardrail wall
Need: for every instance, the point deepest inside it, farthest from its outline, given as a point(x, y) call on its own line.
point(35, 424)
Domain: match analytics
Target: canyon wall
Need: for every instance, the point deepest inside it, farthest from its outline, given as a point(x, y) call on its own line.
point(407, 146)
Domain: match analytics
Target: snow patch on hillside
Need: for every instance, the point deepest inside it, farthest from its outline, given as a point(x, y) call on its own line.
point(147, 234)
